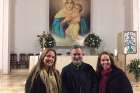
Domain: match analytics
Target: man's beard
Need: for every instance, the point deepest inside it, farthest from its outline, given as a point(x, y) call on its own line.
point(77, 62)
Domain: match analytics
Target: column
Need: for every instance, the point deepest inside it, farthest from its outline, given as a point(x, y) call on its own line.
point(139, 29)
point(136, 22)
point(1, 29)
point(4, 36)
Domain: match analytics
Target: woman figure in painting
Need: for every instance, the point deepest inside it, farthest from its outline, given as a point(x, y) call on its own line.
point(44, 78)
point(65, 17)
point(57, 27)
point(111, 78)
point(74, 25)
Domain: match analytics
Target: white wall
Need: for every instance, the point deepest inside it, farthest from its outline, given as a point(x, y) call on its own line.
point(108, 20)
point(31, 18)
point(12, 25)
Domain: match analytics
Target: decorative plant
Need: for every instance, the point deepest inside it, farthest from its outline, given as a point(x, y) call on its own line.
point(134, 67)
point(46, 40)
point(92, 40)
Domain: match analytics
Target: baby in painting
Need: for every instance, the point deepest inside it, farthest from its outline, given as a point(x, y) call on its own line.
point(74, 22)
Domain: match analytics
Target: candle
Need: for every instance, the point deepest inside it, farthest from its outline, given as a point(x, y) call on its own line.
point(125, 50)
point(138, 66)
point(40, 53)
point(115, 52)
point(44, 48)
point(43, 42)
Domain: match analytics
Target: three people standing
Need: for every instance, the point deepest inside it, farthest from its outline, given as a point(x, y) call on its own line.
point(78, 76)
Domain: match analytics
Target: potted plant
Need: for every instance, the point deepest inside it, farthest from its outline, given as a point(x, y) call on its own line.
point(134, 67)
point(46, 40)
point(92, 41)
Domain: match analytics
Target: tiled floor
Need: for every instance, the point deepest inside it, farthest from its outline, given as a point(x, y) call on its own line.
point(14, 83)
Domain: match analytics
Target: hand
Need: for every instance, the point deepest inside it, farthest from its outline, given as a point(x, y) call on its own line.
point(62, 23)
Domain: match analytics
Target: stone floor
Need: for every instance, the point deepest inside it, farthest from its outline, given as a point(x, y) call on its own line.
point(14, 83)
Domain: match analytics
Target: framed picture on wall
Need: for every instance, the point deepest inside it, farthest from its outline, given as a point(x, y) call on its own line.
point(130, 41)
point(69, 21)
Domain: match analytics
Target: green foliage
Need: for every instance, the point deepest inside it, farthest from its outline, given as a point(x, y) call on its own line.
point(92, 40)
point(134, 67)
point(47, 39)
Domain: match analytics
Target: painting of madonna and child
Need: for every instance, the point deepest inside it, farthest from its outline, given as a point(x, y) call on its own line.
point(69, 21)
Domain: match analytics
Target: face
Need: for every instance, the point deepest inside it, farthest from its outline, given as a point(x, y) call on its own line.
point(105, 62)
point(77, 55)
point(69, 4)
point(76, 8)
point(49, 58)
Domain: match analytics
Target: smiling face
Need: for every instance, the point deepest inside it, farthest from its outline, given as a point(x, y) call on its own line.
point(49, 59)
point(105, 61)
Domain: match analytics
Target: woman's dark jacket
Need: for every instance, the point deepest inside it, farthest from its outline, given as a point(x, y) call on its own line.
point(38, 85)
point(117, 82)
point(80, 79)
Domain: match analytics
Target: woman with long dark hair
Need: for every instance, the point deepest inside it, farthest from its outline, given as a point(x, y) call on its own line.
point(44, 78)
point(111, 78)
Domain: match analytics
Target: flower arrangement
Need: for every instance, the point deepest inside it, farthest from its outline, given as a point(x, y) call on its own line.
point(92, 40)
point(134, 67)
point(46, 40)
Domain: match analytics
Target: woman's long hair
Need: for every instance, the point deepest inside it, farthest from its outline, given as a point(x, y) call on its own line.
point(99, 67)
point(37, 68)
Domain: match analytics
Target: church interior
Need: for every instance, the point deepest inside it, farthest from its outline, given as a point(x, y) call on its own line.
point(25, 28)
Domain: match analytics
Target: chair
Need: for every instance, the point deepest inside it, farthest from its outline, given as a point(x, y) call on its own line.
point(59, 54)
point(37, 54)
point(13, 61)
point(68, 53)
point(23, 60)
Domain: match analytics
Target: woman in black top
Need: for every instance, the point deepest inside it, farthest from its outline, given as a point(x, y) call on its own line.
point(44, 78)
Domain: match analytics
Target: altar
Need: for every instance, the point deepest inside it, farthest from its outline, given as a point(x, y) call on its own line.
point(65, 60)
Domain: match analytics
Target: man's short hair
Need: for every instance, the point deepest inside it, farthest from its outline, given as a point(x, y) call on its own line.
point(76, 46)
